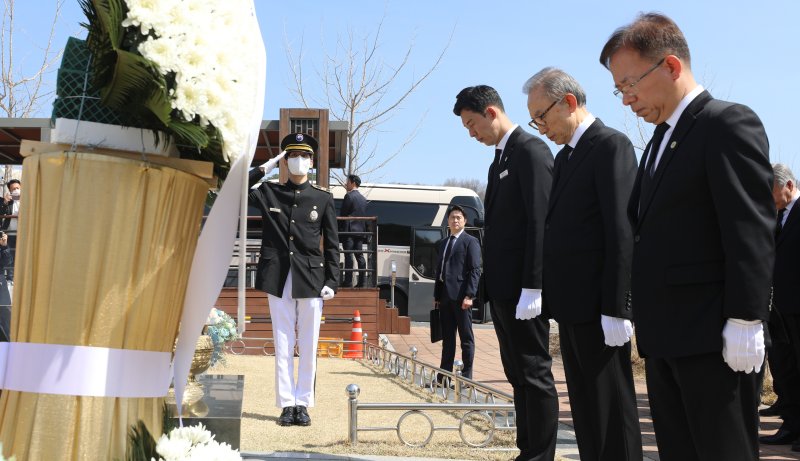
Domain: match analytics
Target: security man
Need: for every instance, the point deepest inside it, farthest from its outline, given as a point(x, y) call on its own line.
point(294, 272)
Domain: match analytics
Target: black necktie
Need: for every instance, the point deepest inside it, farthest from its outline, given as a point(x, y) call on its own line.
point(498, 154)
point(779, 226)
point(446, 258)
point(655, 144)
point(566, 150)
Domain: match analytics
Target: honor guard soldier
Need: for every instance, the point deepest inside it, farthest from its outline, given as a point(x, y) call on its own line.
point(294, 272)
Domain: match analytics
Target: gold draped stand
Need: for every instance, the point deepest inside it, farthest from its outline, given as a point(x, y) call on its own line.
point(103, 256)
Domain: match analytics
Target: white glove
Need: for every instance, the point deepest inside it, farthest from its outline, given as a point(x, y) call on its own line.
point(530, 304)
point(326, 293)
point(743, 345)
point(617, 331)
point(271, 163)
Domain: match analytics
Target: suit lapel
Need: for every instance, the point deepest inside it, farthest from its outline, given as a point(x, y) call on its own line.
point(495, 170)
point(673, 144)
point(570, 164)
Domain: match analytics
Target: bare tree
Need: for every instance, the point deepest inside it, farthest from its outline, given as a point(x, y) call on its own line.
point(359, 87)
point(22, 92)
point(474, 184)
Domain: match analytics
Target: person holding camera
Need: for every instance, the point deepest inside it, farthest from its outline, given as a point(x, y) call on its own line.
point(6, 261)
point(10, 206)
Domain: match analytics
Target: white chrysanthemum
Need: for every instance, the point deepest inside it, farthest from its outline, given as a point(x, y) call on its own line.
point(172, 448)
point(195, 41)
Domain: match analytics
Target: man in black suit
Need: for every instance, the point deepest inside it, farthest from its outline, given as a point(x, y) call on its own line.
point(587, 257)
point(785, 317)
point(353, 205)
point(458, 270)
point(518, 188)
point(703, 221)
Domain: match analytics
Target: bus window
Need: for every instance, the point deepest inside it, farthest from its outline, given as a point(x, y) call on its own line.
point(473, 208)
point(424, 251)
point(396, 219)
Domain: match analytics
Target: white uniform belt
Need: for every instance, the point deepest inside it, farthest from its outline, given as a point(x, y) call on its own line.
point(84, 370)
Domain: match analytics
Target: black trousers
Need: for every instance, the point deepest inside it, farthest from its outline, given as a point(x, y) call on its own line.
point(702, 410)
point(785, 368)
point(354, 243)
point(602, 396)
point(454, 318)
point(526, 360)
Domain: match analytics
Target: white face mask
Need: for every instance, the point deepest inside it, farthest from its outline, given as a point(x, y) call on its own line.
point(15, 194)
point(299, 166)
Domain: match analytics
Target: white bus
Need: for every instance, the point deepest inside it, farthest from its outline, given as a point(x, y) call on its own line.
point(411, 219)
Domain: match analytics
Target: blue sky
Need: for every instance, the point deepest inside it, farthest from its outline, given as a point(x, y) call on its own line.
point(742, 52)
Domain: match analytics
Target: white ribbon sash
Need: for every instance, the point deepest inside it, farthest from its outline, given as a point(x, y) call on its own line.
point(84, 370)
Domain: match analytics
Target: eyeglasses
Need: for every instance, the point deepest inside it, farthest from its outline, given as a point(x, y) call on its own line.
point(629, 89)
point(536, 125)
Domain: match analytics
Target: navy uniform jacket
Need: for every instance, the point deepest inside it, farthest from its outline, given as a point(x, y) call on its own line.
point(354, 204)
point(464, 270)
point(703, 236)
point(294, 219)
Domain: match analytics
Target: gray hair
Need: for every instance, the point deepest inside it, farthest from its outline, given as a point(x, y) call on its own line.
point(556, 83)
point(783, 175)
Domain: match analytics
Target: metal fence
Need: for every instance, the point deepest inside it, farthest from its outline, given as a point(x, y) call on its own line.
point(477, 403)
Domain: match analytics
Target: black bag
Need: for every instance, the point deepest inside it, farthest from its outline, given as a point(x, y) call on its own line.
point(436, 326)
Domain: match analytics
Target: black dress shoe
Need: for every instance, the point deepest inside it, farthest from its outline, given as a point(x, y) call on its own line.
point(301, 417)
point(782, 437)
point(287, 417)
point(774, 410)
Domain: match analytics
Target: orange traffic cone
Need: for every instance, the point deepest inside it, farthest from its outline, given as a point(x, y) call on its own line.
point(355, 350)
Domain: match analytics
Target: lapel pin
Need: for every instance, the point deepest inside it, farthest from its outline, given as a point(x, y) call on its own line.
point(672, 146)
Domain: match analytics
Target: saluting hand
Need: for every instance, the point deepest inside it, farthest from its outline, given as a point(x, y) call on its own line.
point(271, 163)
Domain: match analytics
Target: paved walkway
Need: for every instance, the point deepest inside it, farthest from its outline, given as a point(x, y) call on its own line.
point(488, 369)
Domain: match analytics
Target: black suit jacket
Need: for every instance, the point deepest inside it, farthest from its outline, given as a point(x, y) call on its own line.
point(704, 237)
point(463, 272)
point(295, 218)
point(516, 204)
point(588, 243)
point(786, 282)
point(354, 204)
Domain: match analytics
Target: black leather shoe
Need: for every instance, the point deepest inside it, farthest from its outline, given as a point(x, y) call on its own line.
point(287, 417)
point(774, 410)
point(301, 417)
point(782, 437)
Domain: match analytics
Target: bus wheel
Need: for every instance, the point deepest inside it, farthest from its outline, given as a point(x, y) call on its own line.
point(400, 299)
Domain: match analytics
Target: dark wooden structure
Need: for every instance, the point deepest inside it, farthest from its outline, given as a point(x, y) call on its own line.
point(338, 316)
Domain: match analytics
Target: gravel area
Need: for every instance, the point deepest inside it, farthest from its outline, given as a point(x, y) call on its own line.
point(328, 431)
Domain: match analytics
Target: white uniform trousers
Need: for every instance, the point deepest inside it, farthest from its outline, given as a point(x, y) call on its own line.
point(304, 314)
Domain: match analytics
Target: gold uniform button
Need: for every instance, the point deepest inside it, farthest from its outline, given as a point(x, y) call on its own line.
point(292, 220)
point(295, 205)
point(291, 253)
point(320, 264)
point(291, 237)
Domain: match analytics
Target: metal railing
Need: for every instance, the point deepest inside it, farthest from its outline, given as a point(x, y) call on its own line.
point(370, 237)
point(474, 399)
point(239, 347)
